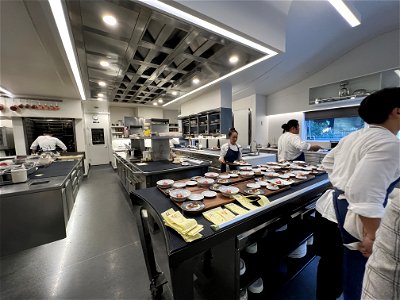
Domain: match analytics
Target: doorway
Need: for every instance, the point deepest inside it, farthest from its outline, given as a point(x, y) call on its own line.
point(98, 137)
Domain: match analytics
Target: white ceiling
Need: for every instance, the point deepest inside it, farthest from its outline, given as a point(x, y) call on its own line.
point(33, 63)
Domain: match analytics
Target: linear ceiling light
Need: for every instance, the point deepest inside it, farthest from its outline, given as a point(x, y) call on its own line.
point(6, 92)
point(207, 25)
point(220, 79)
point(61, 22)
point(397, 72)
point(346, 12)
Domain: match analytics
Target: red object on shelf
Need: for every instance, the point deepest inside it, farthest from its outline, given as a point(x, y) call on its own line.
point(2, 107)
point(34, 106)
point(27, 106)
point(14, 107)
point(21, 106)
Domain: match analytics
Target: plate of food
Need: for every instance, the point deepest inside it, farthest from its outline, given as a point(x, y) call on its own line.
point(279, 182)
point(309, 168)
point(202, 181)
point(301, 173)
point(272, 187)
point(241, 162)
point(271, 174)
point(299, 162)
point(234, 172)
point(228, 190)
point(165, 183)
point(195, 197)
point(247, 174)
point(179, 195)
point(256, 191)
point(275, 167)
point(223, 181)
point(215, 187)
point(211, 175)
point(179, 185)
point(284, 176)
point(209, 194)
point(254, 185)
point(262, 183)
point(192, 206)
point(233, 175)
point(191, 183)
point(245, 168)
point(224, 176)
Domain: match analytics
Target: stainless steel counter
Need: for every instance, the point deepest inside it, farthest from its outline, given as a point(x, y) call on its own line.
point(312, 157)
point(34, 214)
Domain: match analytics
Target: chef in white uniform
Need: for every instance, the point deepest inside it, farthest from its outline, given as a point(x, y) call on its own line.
point(363, 169)
point(47, 143)
point(290, 145)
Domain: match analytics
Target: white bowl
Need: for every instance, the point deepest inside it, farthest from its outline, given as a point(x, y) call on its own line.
point(179, 195)
point(211, 175)
point(227, 176)
point(272, 187)
point(205, 181)
point(271, 174)
point(195, 197)
point(245, 168)
point(233, 175)
point(165, 183)
point(191, 183)
point(179, 185)
point(284, 176)
point(262, 183)
point(253, 185)
point(209, 194)
point(228, 191)
point(246, 174)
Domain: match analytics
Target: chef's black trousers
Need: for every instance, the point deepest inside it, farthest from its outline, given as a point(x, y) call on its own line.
point(329, 246)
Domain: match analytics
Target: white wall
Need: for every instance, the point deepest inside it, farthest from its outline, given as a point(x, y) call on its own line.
point(19, 136)
point(211, 99)
point(118, 113)
point(171, 115)
point(274, 123)
point(375, 55)
point(5, 122)
point(149, 112)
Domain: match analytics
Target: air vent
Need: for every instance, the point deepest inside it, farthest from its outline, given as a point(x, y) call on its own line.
point(190, 67)
point(141, 53)
point(126, 79)
point(119, 92)
point(177, 76)
point(131, 69)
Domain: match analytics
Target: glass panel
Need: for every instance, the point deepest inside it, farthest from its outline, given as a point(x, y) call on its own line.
point(332, 129)
point(98, 136)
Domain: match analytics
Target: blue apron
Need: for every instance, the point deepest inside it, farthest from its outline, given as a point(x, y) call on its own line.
point(353, 261)
point(301, 157)
point(230, 156)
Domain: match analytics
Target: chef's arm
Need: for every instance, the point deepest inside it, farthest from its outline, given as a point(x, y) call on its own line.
point(328, 160)
point(299, 144)
point(34, 146)
point(370, 225)
point(61, 145)
point(222, 154)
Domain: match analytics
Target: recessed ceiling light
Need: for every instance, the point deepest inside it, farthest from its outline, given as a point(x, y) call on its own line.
point(104, 63)
point(6, 92)
point(62, 27)
point(160, 101)
point(102, 83)
point(233, 59)
point(155, 103)
point(196, 80)
point(174, 93)
point(100, 95)
point(110, 20)
point(208, 26)
point(346, 12)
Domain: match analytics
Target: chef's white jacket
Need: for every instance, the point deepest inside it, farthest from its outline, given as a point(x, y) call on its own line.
point(290, 146)
point(48, 143)
point(226, 146)
point(363, 165)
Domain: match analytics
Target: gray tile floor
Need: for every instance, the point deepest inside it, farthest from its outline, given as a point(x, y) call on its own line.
point(101, 257)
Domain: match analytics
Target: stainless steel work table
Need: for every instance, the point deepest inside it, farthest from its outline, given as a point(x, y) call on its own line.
point(183, 257)
point(37, 211)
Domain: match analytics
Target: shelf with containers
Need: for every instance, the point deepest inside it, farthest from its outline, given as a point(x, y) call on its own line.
point(208, 123)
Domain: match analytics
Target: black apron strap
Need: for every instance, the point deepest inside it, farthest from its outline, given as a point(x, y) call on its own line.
point(301, 157)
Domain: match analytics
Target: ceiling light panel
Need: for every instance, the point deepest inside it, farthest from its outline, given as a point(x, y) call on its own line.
point(162, 62)
point(110, 20)
point(347, 13)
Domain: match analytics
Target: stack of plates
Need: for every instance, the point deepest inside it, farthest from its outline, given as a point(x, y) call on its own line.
point(300, 252)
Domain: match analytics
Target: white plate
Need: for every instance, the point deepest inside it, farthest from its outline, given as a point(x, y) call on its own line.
point(185, 163)
point(245, 168)
point(253, 185)
point(179, 194)
point(227, 176)
point(233, 175)
point(301, 177)
point(228, 191)
point(179, 185)
point(165, 183)
point(280, 182)
point(262, 183)
point(209, 194)
point(301, 162)
point(246, 174)
point(196, 197)
point(272, 187)
point(275, 167)
point(205, 181)
point(211, 175)
point(191, 183)
point(284, 176)
point(308, 168)
point(271, 174)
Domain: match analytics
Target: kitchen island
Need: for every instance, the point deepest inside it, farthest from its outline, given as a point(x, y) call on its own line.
point(213, 155)
point(215, 258)
point(137, 175)
point(37, 211)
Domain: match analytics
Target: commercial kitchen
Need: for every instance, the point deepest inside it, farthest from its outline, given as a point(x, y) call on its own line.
point(139, 141)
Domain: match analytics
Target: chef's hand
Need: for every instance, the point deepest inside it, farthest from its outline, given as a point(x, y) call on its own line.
point(365, 247)
point(315, 147)
point(222, 161)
